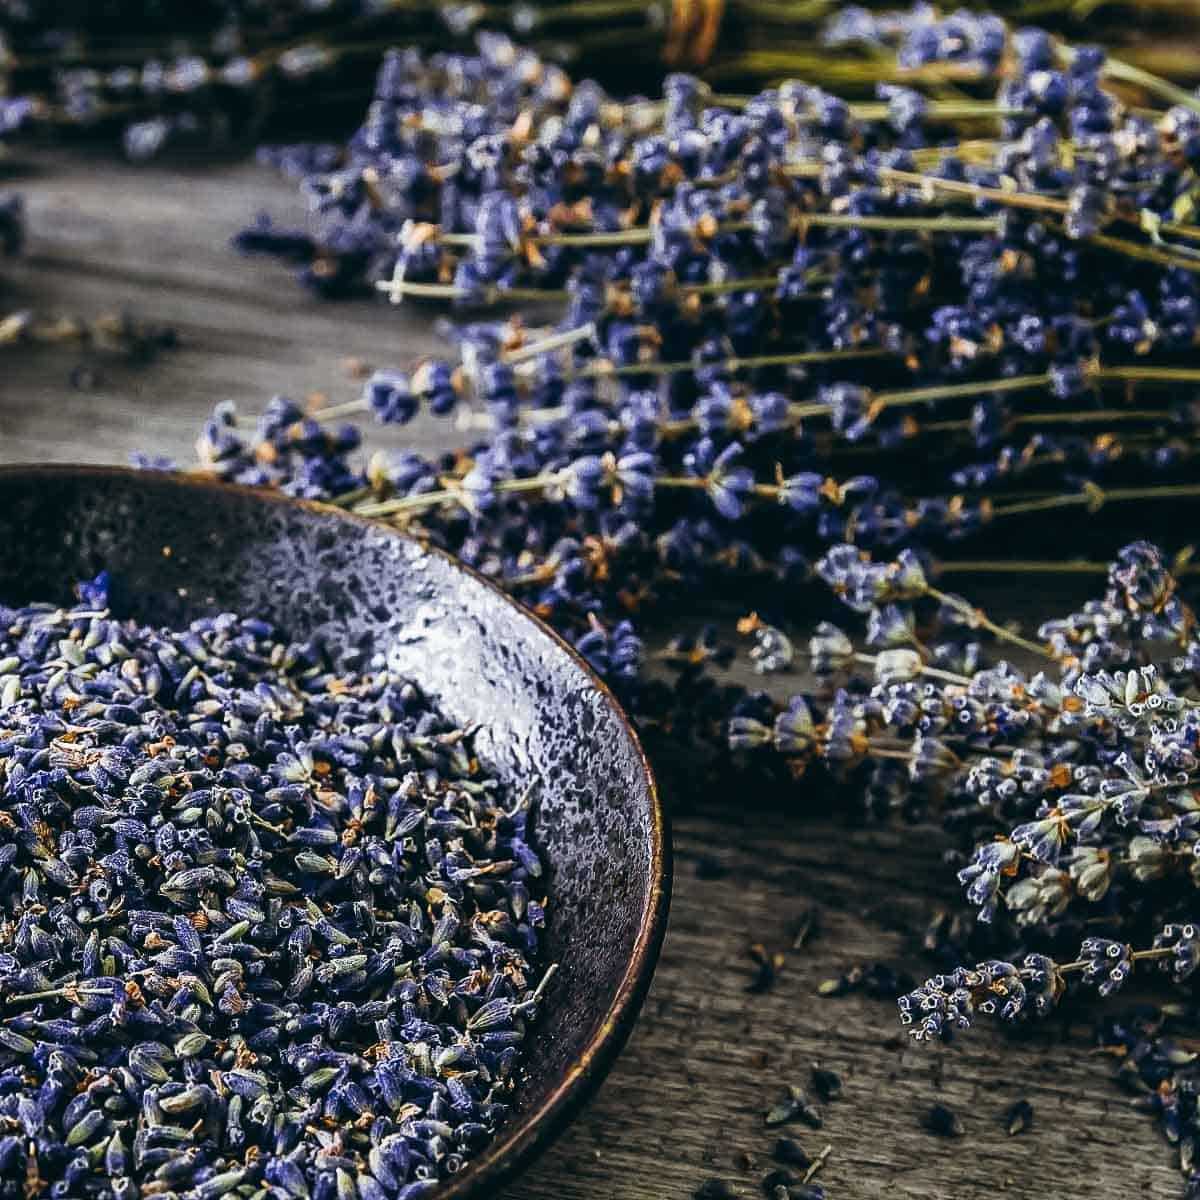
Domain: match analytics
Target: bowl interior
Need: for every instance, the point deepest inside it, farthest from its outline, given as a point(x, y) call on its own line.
point(178, 549)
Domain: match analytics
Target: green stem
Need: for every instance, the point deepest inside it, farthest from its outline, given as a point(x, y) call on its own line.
point(1017, 383)
point(977, 618)
point(1160, 258)
point(723, 287)
point(1030, 566)
point(397, 289)
point(551, 342)
point(949, 391)
point(817, 1163)
point(914, 224)
point(68, 991)
point(1095, 498)
point(607, 370)
point(640, 235)
point(1094, 416)
point(1034, 201)
point(1135, 956)
point(692, 482)
point(332, 412)
point(455, 495)
point(930, 672)
point(865, 110)
point(1149, 374)
point(1020, 566)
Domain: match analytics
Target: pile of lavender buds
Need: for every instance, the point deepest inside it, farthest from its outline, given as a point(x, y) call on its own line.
point(266, 929)
point(806, 349)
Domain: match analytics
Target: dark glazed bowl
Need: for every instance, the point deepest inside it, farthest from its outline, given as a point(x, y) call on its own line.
point(178, 548)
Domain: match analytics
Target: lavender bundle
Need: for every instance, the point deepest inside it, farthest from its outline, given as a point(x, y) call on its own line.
point(160, 73)
point(798, 278)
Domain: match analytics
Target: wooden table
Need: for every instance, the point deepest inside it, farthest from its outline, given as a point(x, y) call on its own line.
point(686, 1100)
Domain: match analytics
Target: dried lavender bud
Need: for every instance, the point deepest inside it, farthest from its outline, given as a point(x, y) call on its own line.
point(714, 1189)
point(788, 1150)
point(1184, 942)
point(794, 1106)
point(84, 379)
point(772, 650)
point(1108, 963)
point(769, 966)
point(12, 222)
point(827, 1084)
point(835, 987)
point(1019, 1117)
point(943, 1121)
point(779, 1178)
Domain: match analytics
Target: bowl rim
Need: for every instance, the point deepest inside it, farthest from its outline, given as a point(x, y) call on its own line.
point(527, 1135)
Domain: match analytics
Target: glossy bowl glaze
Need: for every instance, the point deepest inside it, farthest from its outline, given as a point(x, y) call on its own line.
point(177, 548)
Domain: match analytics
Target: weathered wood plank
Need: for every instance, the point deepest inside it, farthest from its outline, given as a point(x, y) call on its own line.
point(686, 1099)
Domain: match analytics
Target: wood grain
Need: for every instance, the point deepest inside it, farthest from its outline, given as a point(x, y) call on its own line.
point(686, 1100)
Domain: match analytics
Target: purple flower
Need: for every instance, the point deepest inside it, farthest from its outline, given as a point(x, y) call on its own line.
point(390, 396)
point(1108, 963)
point(729, 484)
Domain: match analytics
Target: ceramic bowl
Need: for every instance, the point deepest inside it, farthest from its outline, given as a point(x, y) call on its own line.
point(179, 547)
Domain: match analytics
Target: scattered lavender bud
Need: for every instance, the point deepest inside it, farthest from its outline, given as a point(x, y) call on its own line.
point(827, 1084)
point(768, 967)
point(779, 1178)
point(794, 1106)
point(788, 1150)
point(944, 1122)
point(1019, 1117)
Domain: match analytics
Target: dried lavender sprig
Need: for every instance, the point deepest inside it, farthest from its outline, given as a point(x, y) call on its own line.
point(111, 333)
point(948, 1002)
point(800, 221)
point(474, 491)
point(865, 403)
point(1013, 198)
